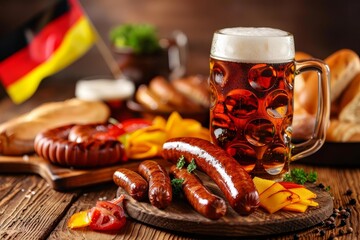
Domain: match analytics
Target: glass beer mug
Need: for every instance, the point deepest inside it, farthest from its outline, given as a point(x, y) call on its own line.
point(252, 72)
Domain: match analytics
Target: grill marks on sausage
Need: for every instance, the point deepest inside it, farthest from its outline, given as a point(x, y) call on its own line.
point(225, 171)
point(55, 146)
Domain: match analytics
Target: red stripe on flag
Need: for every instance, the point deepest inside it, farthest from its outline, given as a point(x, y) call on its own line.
point(40, 49)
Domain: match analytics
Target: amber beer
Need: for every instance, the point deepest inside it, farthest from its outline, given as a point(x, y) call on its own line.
point(252, 72)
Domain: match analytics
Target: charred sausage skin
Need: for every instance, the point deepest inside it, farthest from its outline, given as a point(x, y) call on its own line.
point(160, 191)
point(199, 197)
point(225, 171)
point(54, 145)
point(135, 185)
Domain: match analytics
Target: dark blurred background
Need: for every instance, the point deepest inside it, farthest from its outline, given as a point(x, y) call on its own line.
point(320, 27)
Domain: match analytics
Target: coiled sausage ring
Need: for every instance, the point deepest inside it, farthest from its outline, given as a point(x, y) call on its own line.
point(55, 146)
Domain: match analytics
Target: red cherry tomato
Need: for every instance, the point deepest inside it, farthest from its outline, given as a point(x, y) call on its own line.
point(107, 216)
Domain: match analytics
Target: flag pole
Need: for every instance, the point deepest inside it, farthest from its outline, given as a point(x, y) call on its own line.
point(104, 50)
point(107, 56)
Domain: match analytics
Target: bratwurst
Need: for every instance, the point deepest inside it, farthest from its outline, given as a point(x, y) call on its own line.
point(225, 171)
point(160, 191)
point(199, 197)
point(135, 185)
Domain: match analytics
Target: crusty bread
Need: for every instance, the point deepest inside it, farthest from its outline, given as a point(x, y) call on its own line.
point(185, 95)
point(344, 65)
point(195, 88)
point(17, 135)
point(300, 80)
point(351, 112)
point(170, 96)
point(340, 131)
point(150, 100)
point(303, 124)
point(349, 104)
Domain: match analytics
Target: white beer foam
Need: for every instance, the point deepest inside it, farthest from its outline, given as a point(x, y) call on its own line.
point(253, 45)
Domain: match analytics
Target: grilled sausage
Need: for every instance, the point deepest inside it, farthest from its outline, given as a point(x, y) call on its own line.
point(199, 197)
point(160, 191)
point(135, 185)
point(225, 171)
point(54, 145)
point(84, 132)
point(17, 135)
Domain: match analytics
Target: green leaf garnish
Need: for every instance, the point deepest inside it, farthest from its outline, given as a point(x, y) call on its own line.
point(312, 177)
point(298, 175)
point(176, 184)
point(192, 166)
point(181, 162)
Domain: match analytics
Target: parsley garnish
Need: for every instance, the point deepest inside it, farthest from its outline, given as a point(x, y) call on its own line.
point(192, 166)
point(298, 175)
point(312, 177)
point(176, 184)
point(181, 162)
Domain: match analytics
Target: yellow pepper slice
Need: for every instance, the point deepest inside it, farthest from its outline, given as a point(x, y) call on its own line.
point(145, 150)
point(147, 142)
point(79, 220)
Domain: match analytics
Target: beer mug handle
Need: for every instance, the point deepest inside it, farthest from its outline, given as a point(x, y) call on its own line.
point(317, 139)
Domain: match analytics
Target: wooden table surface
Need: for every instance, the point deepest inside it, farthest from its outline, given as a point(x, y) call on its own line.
point(31, 209)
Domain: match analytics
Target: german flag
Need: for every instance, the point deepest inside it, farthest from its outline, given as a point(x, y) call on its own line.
point(41, 48)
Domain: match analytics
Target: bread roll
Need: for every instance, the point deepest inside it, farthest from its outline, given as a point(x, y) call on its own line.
point(303, 124)
point(170, 96)
point(351, 112)
point(17, 135)
point(340, 131)
point(300, 81)
point(349, 103)
point(344, 65)
point(195, 88)
point(151, 101)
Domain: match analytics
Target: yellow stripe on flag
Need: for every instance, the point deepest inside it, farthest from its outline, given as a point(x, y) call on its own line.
point(76, 42)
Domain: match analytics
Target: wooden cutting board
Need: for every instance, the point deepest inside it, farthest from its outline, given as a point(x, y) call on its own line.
point(60, 178)
point(180, 217)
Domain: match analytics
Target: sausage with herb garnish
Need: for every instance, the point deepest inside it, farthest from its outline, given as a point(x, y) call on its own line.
point(225, 171)
point(199, 197)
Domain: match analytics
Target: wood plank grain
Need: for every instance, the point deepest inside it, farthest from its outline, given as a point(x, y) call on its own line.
point(133, 229)
point(44, 215)
point(59, 178)
point(29, 207)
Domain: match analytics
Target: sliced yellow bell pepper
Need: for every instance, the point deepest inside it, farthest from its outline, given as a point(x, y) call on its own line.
point(147, 142)
point(144, 150)
point(79, 220)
